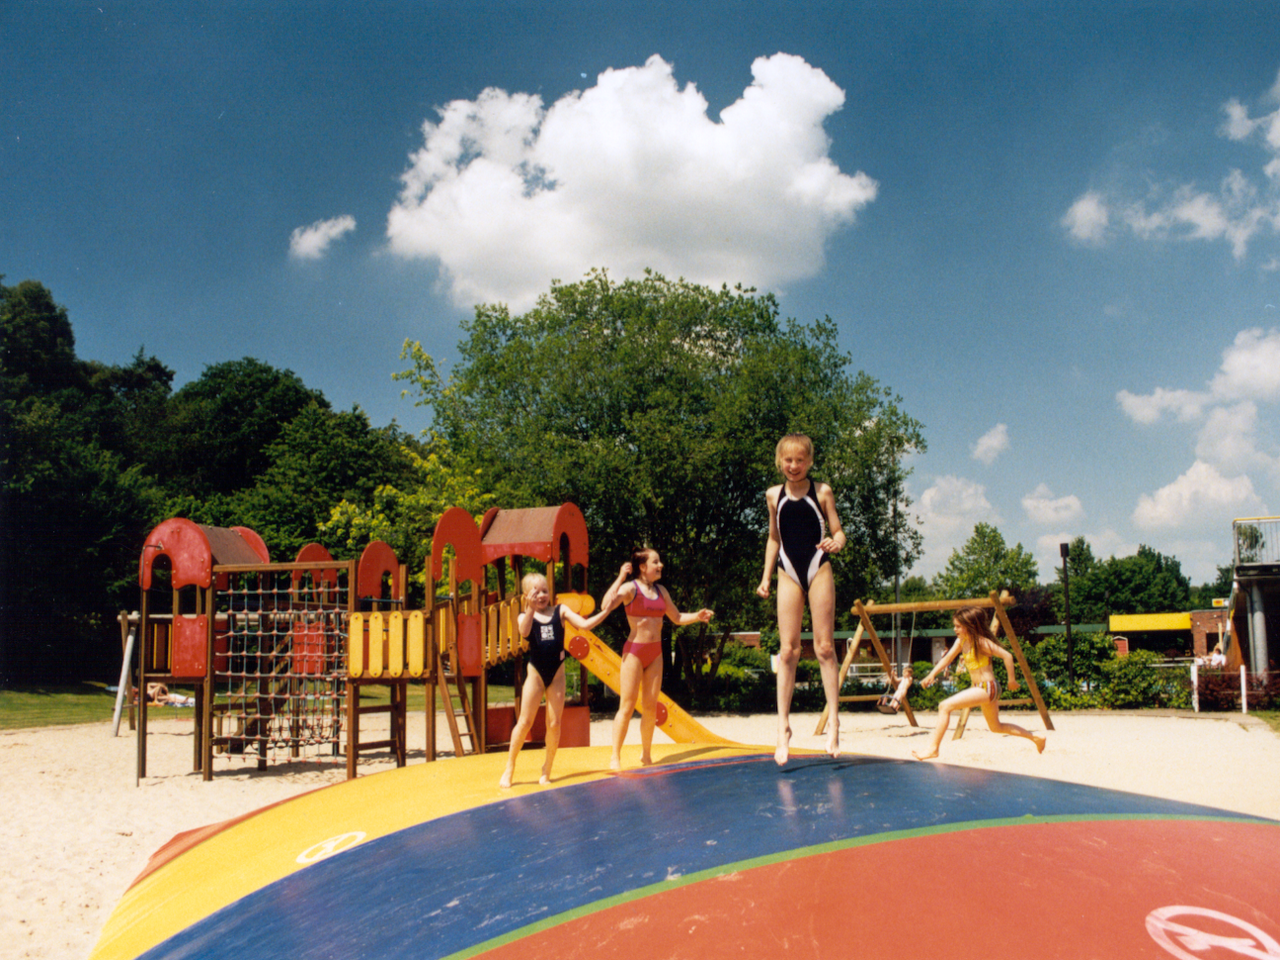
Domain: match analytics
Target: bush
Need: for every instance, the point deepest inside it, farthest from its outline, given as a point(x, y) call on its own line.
point(1220, 690)
point(1090, 653)
point(1133, 681)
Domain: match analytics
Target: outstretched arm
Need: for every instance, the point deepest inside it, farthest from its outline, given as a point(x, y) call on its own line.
point(684, 619)
point(773, 545)
point(942, 664)
point(586, 623)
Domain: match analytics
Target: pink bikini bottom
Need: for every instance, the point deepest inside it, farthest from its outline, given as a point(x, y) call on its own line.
point(646, 652)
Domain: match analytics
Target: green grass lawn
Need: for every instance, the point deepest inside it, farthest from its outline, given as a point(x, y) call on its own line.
point(57, 705)
point(48, 706)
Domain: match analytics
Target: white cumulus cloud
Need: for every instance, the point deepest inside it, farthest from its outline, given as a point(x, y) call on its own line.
point(991, 444)
point(1087, 219)
point(1199, 494)
point(948, 511)
point(1236, 211)
point(507, 194)
point(1043, 508)
point(312, 242)
point(1235, 438)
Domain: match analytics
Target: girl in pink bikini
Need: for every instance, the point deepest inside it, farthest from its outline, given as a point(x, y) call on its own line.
point(646, 604)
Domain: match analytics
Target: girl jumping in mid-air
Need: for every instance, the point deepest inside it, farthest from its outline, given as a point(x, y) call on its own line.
point(803, 530)
point(977, 643)
point(646, 604)
point(543, 625)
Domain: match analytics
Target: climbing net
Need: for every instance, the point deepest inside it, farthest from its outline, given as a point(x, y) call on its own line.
point(280, 661)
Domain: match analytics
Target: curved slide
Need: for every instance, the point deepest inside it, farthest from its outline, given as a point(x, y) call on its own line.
point(594, 654)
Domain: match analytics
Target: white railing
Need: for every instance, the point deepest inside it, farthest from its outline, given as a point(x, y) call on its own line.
point(1257, 540)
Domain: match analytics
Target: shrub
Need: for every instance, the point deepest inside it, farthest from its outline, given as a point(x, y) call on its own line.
point(1219, 690)
point(1133, 681)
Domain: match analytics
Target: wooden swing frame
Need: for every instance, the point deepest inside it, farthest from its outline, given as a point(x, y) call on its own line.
point(996, 601)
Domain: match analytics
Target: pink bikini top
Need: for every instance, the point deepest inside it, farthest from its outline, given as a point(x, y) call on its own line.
point(642, 606)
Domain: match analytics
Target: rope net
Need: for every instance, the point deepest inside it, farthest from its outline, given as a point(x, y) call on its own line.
point(280, 662)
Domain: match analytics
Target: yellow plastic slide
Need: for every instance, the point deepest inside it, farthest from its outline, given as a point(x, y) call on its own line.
point(594, 654)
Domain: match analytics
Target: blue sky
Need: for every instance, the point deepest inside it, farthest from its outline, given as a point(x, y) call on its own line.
point(1052, 228)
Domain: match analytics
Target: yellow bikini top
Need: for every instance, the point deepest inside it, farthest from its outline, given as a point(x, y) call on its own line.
point(973, 662)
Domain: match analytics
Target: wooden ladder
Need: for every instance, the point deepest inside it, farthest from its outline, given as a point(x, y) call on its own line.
point(454, 685)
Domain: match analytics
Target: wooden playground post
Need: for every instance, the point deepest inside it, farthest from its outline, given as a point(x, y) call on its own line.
point(850, 654)
point(864, 617)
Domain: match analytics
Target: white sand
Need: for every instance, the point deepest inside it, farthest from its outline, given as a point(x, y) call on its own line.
point(78, 830)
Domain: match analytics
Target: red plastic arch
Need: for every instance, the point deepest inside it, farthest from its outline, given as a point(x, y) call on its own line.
point(457, 529)
point(193, 549)
point(377, 560)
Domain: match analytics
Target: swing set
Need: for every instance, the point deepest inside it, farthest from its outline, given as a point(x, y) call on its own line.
point(998, 602)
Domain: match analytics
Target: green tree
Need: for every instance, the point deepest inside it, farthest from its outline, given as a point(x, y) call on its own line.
point(321, 459)
point(655, 405)
point(986, 563)
point(37, 346)
point(1202, 597)
point(1147, 582)
point(73, 508)
point(404, 515)
point(220, 425)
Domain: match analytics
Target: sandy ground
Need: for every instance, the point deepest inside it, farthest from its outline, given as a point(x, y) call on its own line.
point(78, 829)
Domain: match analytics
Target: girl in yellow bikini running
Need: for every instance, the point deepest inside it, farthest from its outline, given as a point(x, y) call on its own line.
point(977, 643)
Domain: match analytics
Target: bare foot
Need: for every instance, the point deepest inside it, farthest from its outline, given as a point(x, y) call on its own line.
point(783, 752)
point(833, 742)
point(646, 761)
point(1039, 742)
point(924, 756)
point(505, 782)
point(544, 779)
point(615, 764)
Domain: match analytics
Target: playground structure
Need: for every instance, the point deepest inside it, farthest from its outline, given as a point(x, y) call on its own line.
point(996, 601)
point(278, 654)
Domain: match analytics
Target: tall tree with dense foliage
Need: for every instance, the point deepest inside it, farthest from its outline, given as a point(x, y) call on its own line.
point(655, 405)
point(220, 424)
point(72, 507)
point(1147, 582)
point(94, 455)
point(986, 563)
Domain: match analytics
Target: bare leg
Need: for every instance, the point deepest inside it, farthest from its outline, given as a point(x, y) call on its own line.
point(822, 609)
point(790, 618)
point(530, 697)
point(992, 713)
point(555, 713)
point(650, 687)
point(972, 697)
point(632, 673)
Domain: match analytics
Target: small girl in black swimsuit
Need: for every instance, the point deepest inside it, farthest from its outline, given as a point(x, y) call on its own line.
point(803, 530)
point(543, 625)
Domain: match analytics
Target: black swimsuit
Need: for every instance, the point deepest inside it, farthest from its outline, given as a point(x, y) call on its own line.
point(801, 527)
point(546, 645)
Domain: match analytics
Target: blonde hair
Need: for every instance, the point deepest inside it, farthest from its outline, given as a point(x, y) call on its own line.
point(529, 579)
point(793, 441)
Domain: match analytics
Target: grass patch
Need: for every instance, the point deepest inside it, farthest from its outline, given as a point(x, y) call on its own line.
point(57, 705)
point(1271, 716)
